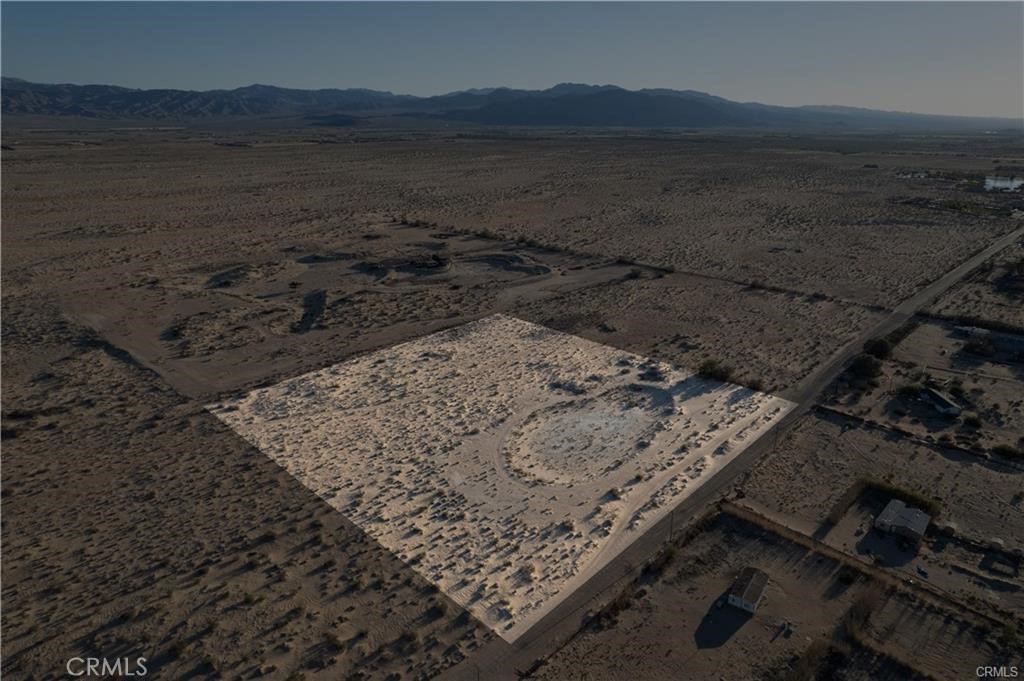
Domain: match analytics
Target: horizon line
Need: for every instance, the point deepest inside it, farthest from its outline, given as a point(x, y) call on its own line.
point(1016, 117)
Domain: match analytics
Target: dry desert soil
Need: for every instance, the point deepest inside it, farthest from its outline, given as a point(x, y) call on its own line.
point(148, 274)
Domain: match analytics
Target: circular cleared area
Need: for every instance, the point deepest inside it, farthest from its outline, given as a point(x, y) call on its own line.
point(582, 439)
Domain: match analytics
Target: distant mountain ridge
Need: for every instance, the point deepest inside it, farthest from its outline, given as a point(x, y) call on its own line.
point(565, 104)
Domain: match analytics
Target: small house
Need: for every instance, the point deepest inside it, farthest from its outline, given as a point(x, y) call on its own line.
point(941, 402)
point(905, 521)
point(747, 589)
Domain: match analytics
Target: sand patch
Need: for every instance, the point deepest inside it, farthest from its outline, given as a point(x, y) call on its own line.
point(506, 462)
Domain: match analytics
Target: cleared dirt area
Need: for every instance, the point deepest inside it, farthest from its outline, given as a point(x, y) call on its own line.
point(503, 461)
point(222, 325)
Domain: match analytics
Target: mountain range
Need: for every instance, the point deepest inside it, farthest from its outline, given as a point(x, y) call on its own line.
point(564, 105)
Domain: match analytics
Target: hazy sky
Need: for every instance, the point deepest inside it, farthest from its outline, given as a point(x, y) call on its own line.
point(955, 58)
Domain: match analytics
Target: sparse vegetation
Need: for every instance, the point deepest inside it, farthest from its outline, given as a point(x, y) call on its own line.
point(910, 497)
point(608, 615)
point(1011, 637)
point(857, 616)
point(1007, 452)
point(909, 391)
point(865, 366)
point(878, 347)
point(656, 566)
point(715, 370)
point(895, 337)
point(806, 667)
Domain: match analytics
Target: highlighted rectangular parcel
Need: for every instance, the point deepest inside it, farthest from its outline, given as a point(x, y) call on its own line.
point(504, 461)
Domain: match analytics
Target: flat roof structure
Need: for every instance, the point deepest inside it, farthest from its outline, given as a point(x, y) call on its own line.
point(904, 520)
point(748, 588)
point(942, 402)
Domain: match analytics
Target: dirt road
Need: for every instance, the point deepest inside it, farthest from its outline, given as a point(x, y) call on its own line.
point(501, 660)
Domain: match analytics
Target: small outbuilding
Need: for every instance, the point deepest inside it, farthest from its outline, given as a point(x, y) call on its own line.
point(747, 589)
point(905, 521)
point(941, 402)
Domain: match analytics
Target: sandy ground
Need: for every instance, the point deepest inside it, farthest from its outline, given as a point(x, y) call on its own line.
point(222, 325)
point(174, 540)
point(672, 625)
point(993, 293)
point(818, 461)
point(806, 215)
point(672, 317)
point(506, 462)
point(806, 475)
point(989, 390)
point(146, 274)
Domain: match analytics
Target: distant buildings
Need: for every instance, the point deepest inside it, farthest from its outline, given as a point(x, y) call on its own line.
point(905, 521)
point(747, 589)
point(941, 402)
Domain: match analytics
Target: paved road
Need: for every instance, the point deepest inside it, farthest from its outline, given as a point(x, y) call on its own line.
point(499, 660)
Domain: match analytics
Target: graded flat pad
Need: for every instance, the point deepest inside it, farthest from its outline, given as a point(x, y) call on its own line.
point(504, 461)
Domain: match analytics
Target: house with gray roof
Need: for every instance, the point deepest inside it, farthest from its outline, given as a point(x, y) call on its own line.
point(906, 521)
point(747, 589)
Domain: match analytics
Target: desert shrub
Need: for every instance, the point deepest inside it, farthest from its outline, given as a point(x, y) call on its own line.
point(608, 615)
point(972, 421)
point(657, 565)
point(847, 575)
point(806, 667)
point(1008, 452)
point(897, 335)
point(856, 618)
point(437, 610)
point(1011, 637)
point(409, 640)
point(878, 347)
point(910, 497)
point(909, 391)
point(865, 366)
point(715, 370)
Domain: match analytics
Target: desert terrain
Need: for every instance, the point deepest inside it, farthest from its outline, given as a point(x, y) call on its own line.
point(148, 274)
point(820, 616)
point(502, 460)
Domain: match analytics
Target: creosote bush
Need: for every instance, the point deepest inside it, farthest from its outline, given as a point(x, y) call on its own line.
point(715, 370)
